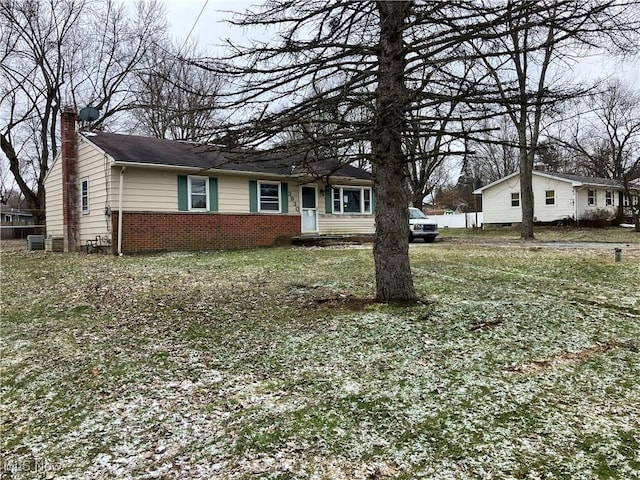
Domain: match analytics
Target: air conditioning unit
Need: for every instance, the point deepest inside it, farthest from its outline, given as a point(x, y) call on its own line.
point(35, 242)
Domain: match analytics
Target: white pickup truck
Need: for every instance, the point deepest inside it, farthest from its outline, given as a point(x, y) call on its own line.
point(421, 227)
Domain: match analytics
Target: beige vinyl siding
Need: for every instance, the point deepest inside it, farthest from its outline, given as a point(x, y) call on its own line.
point(53, 200)
point(149, 190)
point(233, 194)
point(145, 190)
point(294, 199)
point(344, 223)
point(94, 166)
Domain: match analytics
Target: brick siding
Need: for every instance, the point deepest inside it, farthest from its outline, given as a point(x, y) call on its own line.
point(152, 232)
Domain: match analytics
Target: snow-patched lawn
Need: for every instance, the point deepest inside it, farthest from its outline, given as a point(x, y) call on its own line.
point(521, 363)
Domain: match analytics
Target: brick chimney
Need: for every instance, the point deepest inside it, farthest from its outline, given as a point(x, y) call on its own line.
point(70, 196)
point(540, 167)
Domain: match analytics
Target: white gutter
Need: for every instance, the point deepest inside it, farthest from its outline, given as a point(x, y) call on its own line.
point(224, 171)
point(198, 170)
point(120, 195)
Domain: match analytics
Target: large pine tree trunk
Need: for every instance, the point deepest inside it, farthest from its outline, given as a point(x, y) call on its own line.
point(526, 190)
point(394, 282)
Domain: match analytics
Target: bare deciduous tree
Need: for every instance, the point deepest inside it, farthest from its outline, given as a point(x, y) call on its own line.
point(495, 152)
point(64, 52)
point(382, 55)
point(428, 151)
point(177, 100)
point(606, 139)
point(534, 40)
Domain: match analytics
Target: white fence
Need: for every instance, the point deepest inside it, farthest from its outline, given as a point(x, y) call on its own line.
point(461, 220)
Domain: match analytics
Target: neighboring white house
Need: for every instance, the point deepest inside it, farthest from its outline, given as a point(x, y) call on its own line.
point(557, 197)
point(15, 223)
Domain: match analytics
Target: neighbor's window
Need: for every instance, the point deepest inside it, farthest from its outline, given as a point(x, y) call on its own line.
point(608, 199)
point(366, 195)
point(198, 193)
point(84, 195)
point(351, 200)
point(550, 197)
point(515, 199)
point(269, 196)
point(592, 197)
point(337, 200)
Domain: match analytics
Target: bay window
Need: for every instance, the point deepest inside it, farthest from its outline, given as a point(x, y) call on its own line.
point(352, 200)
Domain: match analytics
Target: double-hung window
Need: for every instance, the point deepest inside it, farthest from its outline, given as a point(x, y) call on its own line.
point(198, 193)
point(515, 199)
point(608, 198)
point(269, 196)
point(84, 195)
point(550, 197)
point(352, 200)
point(592, 197)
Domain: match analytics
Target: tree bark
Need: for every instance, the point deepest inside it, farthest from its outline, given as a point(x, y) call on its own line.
point(526, 178)
point(394, 282)
point(33, 199)
point(526, 195)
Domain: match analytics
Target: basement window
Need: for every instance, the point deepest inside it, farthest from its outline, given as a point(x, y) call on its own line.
point(515, 199)
point(84, 195)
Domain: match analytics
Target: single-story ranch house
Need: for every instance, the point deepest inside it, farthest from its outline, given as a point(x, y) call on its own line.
point(557, 197)
point(131, 194)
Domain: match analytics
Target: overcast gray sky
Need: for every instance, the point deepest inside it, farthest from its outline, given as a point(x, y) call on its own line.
point(208, 17)
point(204, 20)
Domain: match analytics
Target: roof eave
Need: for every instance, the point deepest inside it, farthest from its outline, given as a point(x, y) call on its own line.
point(162, 166)
point(503, 179)
point(244, 173)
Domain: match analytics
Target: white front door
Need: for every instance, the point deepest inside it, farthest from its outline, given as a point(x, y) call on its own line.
point(309, 210)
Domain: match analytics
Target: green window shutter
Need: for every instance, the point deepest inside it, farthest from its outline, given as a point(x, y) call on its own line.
point(183, 193)
point(284, 197)
point(328, 200)
point(213, 194)
point(373, 202)
point(253, 196)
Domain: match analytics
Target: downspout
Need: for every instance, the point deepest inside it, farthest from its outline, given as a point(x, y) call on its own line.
point(576, 190)
point(120, 194)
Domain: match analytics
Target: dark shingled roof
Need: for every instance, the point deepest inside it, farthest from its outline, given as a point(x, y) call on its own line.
point(586, 180)
point(161, 152)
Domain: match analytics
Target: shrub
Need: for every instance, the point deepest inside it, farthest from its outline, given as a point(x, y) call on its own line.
point(597, 218)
